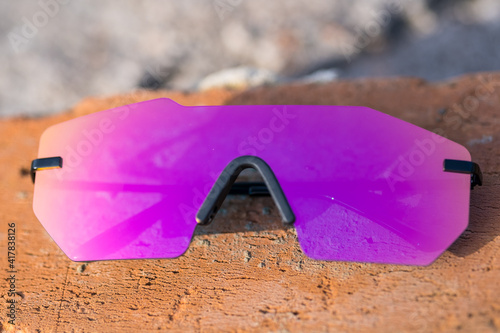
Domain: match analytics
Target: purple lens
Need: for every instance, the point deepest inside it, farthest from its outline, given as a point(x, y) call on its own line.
point(363, 186)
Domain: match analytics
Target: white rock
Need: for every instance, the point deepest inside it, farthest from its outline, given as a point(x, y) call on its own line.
point(321, 76)
point(239, 77)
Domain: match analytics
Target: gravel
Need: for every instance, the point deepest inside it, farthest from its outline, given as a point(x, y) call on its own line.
point(55, 52)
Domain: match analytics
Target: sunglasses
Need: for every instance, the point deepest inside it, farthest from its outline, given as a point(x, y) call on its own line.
point(357, 184)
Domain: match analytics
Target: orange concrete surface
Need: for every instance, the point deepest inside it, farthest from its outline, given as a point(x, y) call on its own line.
point(246, 272)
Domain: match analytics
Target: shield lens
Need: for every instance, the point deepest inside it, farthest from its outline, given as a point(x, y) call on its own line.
point(363, 186)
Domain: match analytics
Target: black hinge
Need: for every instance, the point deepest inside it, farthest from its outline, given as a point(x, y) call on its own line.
point(476, 176)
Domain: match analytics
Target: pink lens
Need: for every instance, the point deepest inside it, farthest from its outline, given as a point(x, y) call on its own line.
point(363, 186)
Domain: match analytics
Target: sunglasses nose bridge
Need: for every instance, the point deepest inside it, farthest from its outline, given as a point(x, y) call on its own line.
point(224, 183)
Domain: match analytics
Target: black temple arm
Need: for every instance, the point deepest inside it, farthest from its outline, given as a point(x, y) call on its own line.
point(45, 164)
point(476, 176)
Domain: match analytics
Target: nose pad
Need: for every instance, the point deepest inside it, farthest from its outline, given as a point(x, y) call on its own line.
point(224, 184)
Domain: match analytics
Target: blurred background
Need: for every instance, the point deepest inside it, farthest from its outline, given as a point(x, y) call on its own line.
point(55, 52)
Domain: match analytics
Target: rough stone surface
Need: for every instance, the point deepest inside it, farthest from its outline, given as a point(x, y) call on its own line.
point(246, 272)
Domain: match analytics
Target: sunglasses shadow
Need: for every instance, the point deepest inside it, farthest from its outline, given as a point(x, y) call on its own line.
point(243, 213)
point(240, 213)
point(484, 224)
